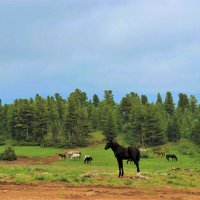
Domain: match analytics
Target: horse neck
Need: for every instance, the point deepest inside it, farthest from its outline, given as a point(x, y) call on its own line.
point(116, 146)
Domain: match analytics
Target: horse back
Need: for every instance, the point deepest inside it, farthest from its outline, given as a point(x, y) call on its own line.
point(134, 153)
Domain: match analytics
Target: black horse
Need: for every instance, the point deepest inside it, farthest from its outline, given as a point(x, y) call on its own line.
point(172, 156)
point(121, 153)
point(63, 156)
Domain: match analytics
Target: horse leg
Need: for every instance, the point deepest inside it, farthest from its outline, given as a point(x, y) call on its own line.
point(122, 168)
point(137, 165)
point(120, 165)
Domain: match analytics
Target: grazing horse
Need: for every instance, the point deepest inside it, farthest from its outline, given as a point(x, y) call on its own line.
point(121, 153)
point(159, 153)
point(75, 156)
point(63, 156)
point(88, 159)
point(172, 156)
point(70, 153)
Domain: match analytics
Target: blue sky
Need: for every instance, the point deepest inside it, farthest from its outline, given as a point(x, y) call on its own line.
point(57, 46)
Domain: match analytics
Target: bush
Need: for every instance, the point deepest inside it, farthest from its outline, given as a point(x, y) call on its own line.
point(8, 154)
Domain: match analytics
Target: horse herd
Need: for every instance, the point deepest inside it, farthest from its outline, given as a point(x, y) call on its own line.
point(131, 154)
point(75, 155)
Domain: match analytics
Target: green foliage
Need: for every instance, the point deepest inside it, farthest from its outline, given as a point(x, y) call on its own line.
point(54, 121)
point(8, 154)
point(173, 129)
point(169, 104)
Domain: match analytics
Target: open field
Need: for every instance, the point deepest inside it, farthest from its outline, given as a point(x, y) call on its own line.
point(37, 165)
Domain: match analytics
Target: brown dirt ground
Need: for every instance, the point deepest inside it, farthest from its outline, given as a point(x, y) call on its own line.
point(23, 160)
point(61, 191)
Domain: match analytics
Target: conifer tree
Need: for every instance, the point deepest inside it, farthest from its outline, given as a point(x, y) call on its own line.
point(144, 99)
point(53, 118)
point(110, 126)
point(154, 129)
point(183, 102)
point(173, 129)
point(40, 119)
point(96, 100)
point(109, 97)
point(159, 100)
point(169, 104)
point(137, 124)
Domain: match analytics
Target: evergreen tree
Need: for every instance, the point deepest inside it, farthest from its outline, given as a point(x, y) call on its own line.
point(154, 129)
point(195, 135)
point(93, 116)
point(77, 123)
point(53, 118)
point(126, 106)
point(61, 109)
point(193, 104)
point(136, 129)
point(96, 100)
point(183, 102)
point(173, 129)
point(169, 104)
point(109, 98)
point(159, 100)
point(110, 126)
point(22, 117)
point(144, 99)
point(40, 119)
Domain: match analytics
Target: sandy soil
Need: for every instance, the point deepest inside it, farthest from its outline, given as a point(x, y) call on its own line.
point(61, 191)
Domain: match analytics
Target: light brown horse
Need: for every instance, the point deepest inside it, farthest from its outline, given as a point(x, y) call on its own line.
point(159, 153)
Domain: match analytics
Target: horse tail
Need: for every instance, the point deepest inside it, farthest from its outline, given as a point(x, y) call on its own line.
point(138, 155)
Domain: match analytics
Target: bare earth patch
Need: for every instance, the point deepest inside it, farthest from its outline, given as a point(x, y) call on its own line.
point(22, 160)
point(61, 191)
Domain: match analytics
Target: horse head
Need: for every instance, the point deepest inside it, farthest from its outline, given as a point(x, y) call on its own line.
point(109, 143)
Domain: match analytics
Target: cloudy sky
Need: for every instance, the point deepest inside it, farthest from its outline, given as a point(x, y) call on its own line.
point(57, 46)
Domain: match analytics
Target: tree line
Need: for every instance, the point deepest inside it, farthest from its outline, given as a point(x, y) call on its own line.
point(54, 121)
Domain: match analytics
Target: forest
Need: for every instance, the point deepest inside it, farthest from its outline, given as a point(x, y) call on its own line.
point(54, 121)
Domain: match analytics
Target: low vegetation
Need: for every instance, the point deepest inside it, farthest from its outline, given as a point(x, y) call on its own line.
point(155, 171)
point(8, 154)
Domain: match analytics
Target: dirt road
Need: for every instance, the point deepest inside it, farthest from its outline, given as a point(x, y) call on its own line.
point(61, 191)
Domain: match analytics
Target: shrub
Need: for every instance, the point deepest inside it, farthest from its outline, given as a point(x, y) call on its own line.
point(8, 154)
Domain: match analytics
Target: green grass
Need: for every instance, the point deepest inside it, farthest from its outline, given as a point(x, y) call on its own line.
point(33, 151)
point(155, 171)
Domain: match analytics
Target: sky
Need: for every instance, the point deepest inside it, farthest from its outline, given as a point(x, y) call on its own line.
point(56, 46)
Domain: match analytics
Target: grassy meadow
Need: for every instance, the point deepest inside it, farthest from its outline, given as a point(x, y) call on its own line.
point(155, 171)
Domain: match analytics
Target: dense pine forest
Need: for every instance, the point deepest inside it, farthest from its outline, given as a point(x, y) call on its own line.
point(54, 121)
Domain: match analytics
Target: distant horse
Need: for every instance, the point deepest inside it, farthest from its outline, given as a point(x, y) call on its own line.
point(76, 156)
point(88, 159)
point(159, 153)
point(121, 153)
point(70, 153)
point(172, 156)
point(63, 156)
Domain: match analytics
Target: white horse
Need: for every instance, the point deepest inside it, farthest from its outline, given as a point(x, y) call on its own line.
point(70, 153)
point(76, 156)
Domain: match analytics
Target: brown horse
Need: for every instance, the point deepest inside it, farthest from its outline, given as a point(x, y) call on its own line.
point(159, 153)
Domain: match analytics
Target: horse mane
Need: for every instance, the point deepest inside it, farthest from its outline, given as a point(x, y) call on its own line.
point(116, 145)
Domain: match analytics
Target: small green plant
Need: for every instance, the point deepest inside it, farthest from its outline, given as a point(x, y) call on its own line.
point(8, 154)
